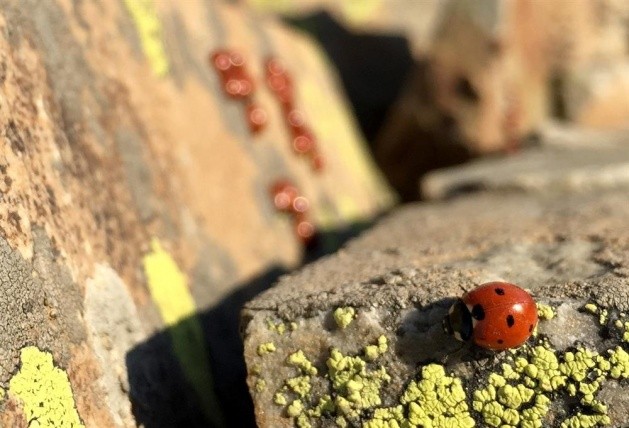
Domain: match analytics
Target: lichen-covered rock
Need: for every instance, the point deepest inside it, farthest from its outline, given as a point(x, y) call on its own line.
point(367, 322)
point(135, 190)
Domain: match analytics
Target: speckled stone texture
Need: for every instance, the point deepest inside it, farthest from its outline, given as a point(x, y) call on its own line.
point(401, 277)
point(116, 138)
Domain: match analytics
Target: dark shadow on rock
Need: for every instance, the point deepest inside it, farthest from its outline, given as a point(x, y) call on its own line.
point(165, 394)
point(372, 67)
point(421, 338)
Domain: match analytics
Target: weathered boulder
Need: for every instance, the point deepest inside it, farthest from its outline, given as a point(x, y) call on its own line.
point(356, 339)
point(567, 159)
point(136, 200)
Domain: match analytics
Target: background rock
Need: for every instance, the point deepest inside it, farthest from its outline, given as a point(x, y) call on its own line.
point(563, 161)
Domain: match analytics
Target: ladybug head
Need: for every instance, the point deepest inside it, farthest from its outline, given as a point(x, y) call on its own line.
point(458, 322)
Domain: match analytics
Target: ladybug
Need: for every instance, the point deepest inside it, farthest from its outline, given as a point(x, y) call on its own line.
point(495, 316)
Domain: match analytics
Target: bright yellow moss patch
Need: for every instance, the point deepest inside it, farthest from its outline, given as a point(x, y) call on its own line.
point(266, 348)
point(437, 400)
point(44, 390)
point(149, 30)
point(545, 312)
point(168, 285)
point(344, 316)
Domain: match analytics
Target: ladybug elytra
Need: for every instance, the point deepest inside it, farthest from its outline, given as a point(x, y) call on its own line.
point(495, 316)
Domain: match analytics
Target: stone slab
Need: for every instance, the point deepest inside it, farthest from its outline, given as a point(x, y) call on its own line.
point(399, 280)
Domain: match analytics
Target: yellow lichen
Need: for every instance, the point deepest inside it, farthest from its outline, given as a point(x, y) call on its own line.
point(298, 359)
point(344, 316)
point(545, 312)
point(266, 348)
point(149, 30)
point(260, 385)
point(437, 400)
point(619, 363)
point(300, 385)
point(295, 408)
point(280, 399)
point(356, 386)
point(277, 327)
point(44, 390)
point(372, 352)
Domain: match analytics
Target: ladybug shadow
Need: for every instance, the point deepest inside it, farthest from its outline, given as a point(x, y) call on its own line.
point(421, 339)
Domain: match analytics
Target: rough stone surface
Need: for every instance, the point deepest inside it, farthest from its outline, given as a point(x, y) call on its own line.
point(115, 132)
point(401, 277)
point(534, 170)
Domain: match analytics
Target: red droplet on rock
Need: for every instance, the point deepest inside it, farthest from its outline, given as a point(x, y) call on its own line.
point(236, 59)
point(318, 162)
point(284, 193)
point(275, 66)
point(221, 60)
point(256, 117)
point(305, 230)
point(295, 118)
point(300, 204)
point(303, 143)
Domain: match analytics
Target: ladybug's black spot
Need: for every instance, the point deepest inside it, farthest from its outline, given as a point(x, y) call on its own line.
point(530, 328)
point(500, 341)
point(478, 313)
point(500, 291)
point(510, 321)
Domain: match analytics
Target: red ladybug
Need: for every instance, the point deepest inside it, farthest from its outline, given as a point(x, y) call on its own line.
point(495, 315)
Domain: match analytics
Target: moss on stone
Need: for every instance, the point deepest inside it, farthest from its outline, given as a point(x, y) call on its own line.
point(545, 312)
point(372, 352)
point(344, 316)
point(260, 385)
point(300, 385)
point(518, 394)
point(298, 359)
point(437, 400)
point(266, 348)
point(276, 326)
point(44, 391)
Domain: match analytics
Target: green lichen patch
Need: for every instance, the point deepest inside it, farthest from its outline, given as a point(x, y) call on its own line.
point(344, 316)
point(372, 352)
point(437, 400)
point(617, 322)
point(618, 363)
point(278, 327)
point(603, 313)
point(300, 385)
point(355, 385)
point(545, 312)
point(260, 385)
point(266, 348)
point(521, 395)
point(299, 360)
point(44, 390)
point(525, 390)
